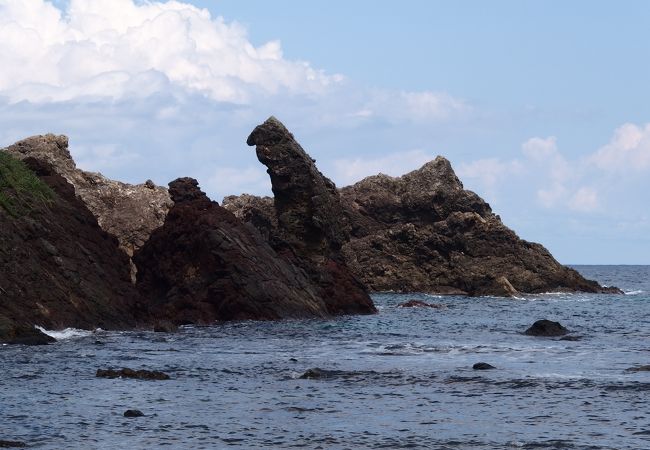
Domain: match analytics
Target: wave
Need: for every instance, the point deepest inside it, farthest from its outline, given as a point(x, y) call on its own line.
point(67, 333)
point(634, 292)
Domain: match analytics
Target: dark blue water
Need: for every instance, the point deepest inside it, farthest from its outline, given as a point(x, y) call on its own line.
point(399, 379)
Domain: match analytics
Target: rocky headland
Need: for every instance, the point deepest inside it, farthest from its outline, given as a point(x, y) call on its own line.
point(80, 250)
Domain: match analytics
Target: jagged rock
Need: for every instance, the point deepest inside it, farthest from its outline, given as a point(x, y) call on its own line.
point(130, 373)
point(423, 232)
point(59, 268)
point(205, 265)
point(311, 228)
point(128, 212)
point(546, 328)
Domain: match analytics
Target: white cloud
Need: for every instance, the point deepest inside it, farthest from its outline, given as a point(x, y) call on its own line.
point(629, 149)
point(120, 48)
point(351, 170)
point(585, 200)
point(488, 173)
point(233, 180)
point(419, 106)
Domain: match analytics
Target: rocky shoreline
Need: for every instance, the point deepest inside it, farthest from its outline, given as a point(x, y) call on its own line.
point(80, 250)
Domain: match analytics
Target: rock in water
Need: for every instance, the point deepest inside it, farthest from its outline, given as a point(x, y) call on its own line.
point(205, 265)
point(419, 304)
point(59, 268)
point(311, 228)
point(128, 212)
point(133, 413)
point(130, 373)
point(546, 328)
point(12, 444)
point(483, 366)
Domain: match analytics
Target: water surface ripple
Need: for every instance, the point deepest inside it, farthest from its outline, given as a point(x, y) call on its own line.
point(400, 379)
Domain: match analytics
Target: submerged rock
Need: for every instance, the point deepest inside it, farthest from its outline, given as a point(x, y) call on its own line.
point(12, 444)
point(639, 369)
point(546, 328)
point(130, 373)
point(204, 265)
point(419, 304)
point(133, 413)
point(483, 366)
point(316, 374)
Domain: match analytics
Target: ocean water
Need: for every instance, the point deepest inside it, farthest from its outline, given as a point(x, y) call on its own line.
point(400, 379)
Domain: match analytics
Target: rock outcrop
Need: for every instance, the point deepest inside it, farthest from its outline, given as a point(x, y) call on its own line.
point(205, 265)
point(421, 232)
point(546, 328)
point(310, 228)
point(59, 268)
point(128, 212)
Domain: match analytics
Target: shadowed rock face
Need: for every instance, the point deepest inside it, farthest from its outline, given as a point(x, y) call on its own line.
point(128, 212)
point(59, 268)
point(311, 227)
point(205, 265)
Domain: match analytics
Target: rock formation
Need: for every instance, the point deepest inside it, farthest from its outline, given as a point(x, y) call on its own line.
point(424, 232)
point(205, 265)
point(311, 228)
point(128, 212)
point(59, 268)
point(421, 232)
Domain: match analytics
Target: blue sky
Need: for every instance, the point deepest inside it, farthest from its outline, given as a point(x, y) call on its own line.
point(542, 107)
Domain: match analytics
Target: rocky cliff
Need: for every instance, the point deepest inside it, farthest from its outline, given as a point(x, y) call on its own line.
point(311, 228)
point(128, 212)
point(59, 268)
point(205, 265)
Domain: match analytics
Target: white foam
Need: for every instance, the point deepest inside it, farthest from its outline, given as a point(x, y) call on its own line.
point(634, 292)
point(68, 333)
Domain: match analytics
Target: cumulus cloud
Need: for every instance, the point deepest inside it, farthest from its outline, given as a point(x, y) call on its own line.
point(351, 170)
point(121, 49)
point(488, 173)
point(629, 149)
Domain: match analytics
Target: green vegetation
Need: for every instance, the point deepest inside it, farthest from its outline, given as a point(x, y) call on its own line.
point(20, 188)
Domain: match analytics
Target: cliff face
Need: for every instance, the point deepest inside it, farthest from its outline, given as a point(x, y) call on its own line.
point(59, 268)
point(128, 212)
point(205, 265)
point(424, 232)
point(311, 228)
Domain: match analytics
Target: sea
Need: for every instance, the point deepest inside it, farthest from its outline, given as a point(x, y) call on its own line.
point(402, 378)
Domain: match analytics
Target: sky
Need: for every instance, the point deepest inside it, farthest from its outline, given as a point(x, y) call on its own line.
point(542, 107)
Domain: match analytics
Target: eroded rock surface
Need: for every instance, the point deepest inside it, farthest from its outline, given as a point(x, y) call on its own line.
point(59, 268)
point(128, 212)
point(310, 225)
point(423, 232)
point(205, 265)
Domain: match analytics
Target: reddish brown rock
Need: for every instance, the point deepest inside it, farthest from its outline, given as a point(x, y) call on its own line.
point(204, 265)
